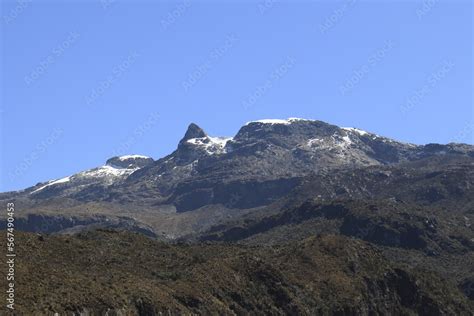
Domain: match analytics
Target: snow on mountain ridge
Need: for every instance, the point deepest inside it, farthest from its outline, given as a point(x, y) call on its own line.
point(315, 139)
point(279, 121)
point(107, 170)
point(52, 182)
point(356, 130)
point(212, 145)
point(107, 174)
point(126, 157)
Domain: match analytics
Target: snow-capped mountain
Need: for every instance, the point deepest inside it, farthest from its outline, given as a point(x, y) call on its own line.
point(208, 178)
point(206, 170)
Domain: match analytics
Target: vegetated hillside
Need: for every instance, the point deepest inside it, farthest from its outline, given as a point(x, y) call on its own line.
point(123, 272)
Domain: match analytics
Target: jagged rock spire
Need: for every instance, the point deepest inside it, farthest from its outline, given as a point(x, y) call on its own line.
point(193, 131)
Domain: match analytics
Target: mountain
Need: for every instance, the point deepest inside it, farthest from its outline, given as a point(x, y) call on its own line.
point(328, 220)
point(262, 163)
point(114, 171)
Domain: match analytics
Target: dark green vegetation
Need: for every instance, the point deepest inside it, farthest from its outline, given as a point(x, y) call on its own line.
point(128, 273)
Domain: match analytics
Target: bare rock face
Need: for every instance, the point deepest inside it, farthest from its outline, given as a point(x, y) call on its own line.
point(193, 131)
point(130, 162)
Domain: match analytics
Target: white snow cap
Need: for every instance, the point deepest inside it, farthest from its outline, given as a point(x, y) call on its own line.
point(107, 173)
point(53, 182)
point(126, 157)
point(212, 145)
point(107, 170)
point(277, 121)
point(355, 130)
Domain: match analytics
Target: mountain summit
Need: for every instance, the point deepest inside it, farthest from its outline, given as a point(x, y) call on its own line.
point(263, 150)
point(193, 131)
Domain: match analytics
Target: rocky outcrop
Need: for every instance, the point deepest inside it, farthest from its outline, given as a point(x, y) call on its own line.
point(192, 195)
point(130, 162)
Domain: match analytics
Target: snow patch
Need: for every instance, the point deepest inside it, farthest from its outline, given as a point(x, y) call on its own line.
point(107, 170)
point(355, 130)
point(212, 145)
point(341, 142)
point(347, 140)
point(126, 157)
point(312, 141)
point(278, 121)
point(297, 119)
point(52, 182)
point(220, 141)
point(270, 121)
point(106, 173)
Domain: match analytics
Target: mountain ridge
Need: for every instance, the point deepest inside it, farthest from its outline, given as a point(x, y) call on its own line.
point(196, 144)
point(262, 163)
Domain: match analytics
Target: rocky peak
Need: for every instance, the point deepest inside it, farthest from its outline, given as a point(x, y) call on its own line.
point(287, 133)
point(197, 144)
point(193, 131)
point(129, 161)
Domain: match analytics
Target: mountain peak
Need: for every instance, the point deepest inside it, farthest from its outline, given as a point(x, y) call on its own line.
point(194, 131)
point(279, 121)
point(129, 161)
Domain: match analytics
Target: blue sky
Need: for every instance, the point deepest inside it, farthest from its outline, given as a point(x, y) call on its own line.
point(84, 81)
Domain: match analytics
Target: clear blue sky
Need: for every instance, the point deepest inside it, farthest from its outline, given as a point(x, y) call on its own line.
point(86, 80)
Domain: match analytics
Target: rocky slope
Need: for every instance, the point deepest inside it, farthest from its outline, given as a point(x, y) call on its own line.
point(115, 171)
